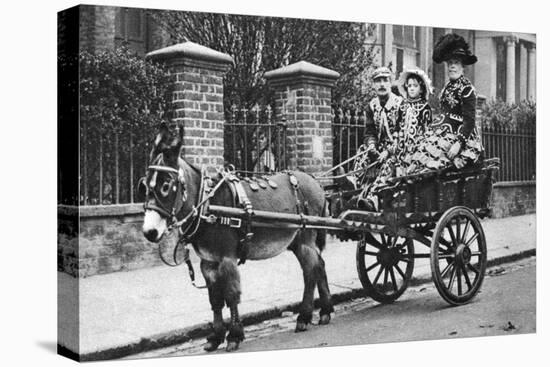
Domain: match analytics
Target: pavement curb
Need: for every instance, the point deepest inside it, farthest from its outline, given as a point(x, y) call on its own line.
point(202, 330)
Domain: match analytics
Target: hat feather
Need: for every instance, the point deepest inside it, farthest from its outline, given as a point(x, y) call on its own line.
point(447, 44)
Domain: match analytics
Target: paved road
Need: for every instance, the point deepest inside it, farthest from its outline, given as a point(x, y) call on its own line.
point(506, 305)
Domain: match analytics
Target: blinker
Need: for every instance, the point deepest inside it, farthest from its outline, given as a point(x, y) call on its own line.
point(141, 190)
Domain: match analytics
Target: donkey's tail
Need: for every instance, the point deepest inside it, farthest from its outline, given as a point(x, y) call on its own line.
point(321, 239)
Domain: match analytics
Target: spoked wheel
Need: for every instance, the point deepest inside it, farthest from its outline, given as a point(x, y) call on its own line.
point(385, 265)
point(458, 255)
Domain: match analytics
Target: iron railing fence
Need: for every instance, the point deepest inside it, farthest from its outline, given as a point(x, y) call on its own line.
point(111, 162)
point(348, 131)
point(253, 141)
point(516, 147)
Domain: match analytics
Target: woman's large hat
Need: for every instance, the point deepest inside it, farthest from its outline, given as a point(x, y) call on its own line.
point(452, 46)
point(421, 74)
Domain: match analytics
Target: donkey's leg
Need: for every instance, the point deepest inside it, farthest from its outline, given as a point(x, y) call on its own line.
point(229, 273)
point(309, 260)
point(322, 283)
point(324, 294)
point(215, 294)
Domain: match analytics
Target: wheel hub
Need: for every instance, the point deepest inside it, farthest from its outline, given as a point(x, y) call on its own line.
point(463, 254)
point(389, 257)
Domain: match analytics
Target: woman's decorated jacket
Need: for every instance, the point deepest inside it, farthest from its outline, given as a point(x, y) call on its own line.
point(458, 107)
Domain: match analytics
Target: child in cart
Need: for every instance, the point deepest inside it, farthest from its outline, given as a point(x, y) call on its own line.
point(413, 118)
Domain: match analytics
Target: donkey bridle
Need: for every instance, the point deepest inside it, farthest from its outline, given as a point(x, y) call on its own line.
point(158, 206)
point(181, 196)
point(171, 214)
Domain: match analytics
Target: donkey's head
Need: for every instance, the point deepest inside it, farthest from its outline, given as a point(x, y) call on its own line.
point(163, 188)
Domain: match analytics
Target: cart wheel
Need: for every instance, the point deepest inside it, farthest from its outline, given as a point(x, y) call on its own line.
point(458, 255)
point(385, 265)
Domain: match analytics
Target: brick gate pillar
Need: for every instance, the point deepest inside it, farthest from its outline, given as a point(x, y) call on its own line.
point(303, 96)
point(197, 103)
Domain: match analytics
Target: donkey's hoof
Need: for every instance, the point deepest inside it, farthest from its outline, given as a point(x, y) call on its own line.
point(300, 326)
point(324, 319)
point(232, 346)
point(211, 346)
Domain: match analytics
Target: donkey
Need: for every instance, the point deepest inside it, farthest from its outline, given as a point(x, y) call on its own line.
point(173, 188)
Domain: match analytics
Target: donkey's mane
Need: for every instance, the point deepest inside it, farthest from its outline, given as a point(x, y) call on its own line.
point(194, 167)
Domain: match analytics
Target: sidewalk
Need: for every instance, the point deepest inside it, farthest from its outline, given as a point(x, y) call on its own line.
point(128, 312)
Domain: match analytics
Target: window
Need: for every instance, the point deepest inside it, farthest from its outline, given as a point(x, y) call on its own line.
point(398, 61)
point(398, 35)
point(372, 31)
point(406, 36)
point(405, 47)
point(130, 29)
point(409, 35)
point(130, 24)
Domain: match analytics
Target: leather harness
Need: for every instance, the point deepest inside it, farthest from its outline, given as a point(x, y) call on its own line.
point(188, 226)
point(240, 198)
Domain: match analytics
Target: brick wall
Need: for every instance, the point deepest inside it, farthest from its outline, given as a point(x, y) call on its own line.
point(198, 107)
point(303, 96)
point(514, 198)
point(103, 239)
point(197, 73)
point(67, 239)
point(309, 134)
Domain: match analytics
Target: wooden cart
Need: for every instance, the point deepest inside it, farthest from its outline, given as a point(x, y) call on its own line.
point(437, 210)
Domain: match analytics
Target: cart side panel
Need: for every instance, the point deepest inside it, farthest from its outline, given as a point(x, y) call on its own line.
point(436, 194)
point(427, 195)
point(477, 191)
point(450, 193)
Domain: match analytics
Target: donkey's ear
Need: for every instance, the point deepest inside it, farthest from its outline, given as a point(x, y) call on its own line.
point(177, 141)
point(163, 134)
point(173, 146)
point(180, 132)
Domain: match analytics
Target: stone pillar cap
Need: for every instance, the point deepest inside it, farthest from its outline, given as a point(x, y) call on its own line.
point(302, 68)
point(190, 50)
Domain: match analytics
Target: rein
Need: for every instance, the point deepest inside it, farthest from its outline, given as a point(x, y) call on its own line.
point(325, 174)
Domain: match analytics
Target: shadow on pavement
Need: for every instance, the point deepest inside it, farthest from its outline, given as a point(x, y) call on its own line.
point(49, 346)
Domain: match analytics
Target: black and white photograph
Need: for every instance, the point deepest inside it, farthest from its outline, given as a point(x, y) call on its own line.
point(255, 183)
point(233, 179)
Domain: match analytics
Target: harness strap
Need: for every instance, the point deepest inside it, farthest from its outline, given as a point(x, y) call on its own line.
point(243, 200)
point(300, 209)
point(197, 211)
